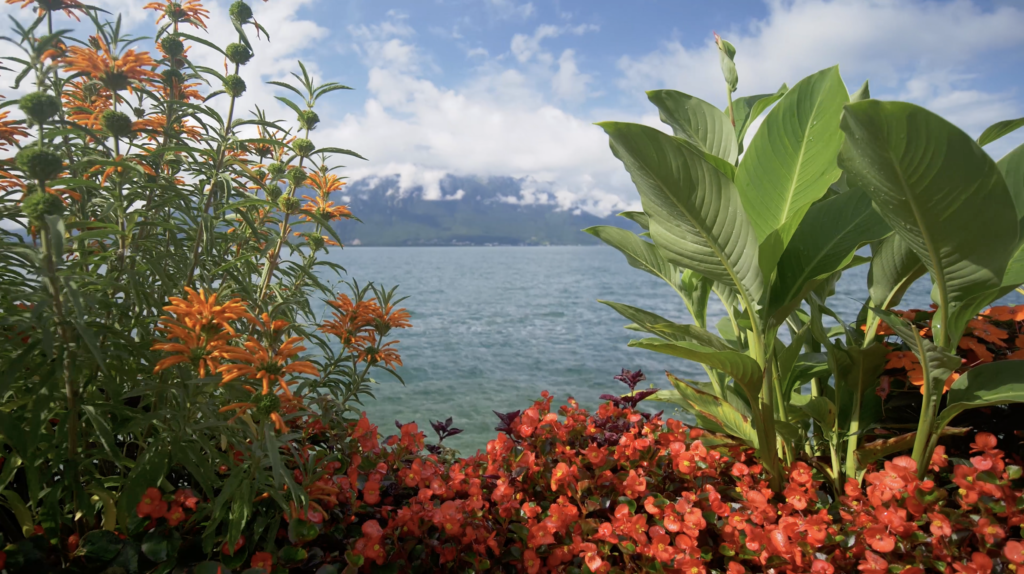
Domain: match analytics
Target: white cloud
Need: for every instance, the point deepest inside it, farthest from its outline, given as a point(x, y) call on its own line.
point(568, 83)
point(914, 50)
point(511, 9)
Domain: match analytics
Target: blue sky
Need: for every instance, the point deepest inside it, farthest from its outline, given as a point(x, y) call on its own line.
point(512, 87)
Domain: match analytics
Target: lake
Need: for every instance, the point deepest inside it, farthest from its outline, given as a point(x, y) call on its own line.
point(495, 326)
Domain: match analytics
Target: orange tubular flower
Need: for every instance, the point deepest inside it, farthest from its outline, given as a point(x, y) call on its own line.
point(66, 6)
point(266, 405)
point(86, 102)
point(10, 130)
point(325, 184)
point(351, 320)
point(257, 362)
point(189, 12)
point(194, 347)
point(371, 353)
point(326, 209)
point(115, 73)
point(199, 311)
point(157, 125)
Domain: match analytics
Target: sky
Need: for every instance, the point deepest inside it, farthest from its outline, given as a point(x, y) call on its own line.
point(513, 88)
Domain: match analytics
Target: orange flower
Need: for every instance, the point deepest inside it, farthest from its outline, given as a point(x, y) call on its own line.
point(66, 6)
point(86, 101)
point(269, 405)
point(351, 320)
point(10, 130)
point(901, 360)
point(194, 346)
point(325, 209)
point(372, 353)
point(188, 12)
point(198, 310)
point(987, 331)
point(119, 169)
point(394, 318)
point(1004, 313)
point(970, 343)
point(325, 184)
point(157, 124)
point(258, 362)
point(115, 73)
point(916, 377)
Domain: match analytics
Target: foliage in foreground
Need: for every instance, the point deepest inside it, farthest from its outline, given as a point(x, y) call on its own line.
point(571, 491)
point(826, 174)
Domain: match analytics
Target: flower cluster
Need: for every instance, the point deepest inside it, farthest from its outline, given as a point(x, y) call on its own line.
point(172, 508)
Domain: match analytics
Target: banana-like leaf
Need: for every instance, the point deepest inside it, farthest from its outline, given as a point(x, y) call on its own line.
point(942, 194)
point(642, 319)
point(894, 268)
point(682, 333)
point(637, 217)
point(825, 242)
point(999, 129)
point(1012, 167)
point(696, 290)
point(792, 159)
point(748, 108)
point(696, 217)
point(742, 368)
point(725, 416)
point(698, 122)
point(640, 254)
point(986, 385)
point(823, 411)
point(862, 93)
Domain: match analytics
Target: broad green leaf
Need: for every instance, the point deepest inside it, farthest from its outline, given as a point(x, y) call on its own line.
point(862, 93)
point(986, 385)
point(748, 108)
point(941, 193)
point(639, 253)
point(1012, 167)
point(822, 410)
point(698, 122)
point(696, 216)
point(742, 368)
point(882, 448)
point(999, 129)
point(641, 318)
point(724, 415)
point(792, 159)
point(637, 217)
point(696, 290)
point(894, 268)
point(682, 333)
point(825, 242)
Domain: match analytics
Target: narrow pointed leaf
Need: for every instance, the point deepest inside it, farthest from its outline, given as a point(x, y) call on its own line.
point(640, 254)
point(862, 93)
point(637, 217)
point(742, 368)
point(748, 108)
point(999, 129)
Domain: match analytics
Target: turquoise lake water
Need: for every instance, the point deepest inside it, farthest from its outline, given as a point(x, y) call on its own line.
point(495, 326)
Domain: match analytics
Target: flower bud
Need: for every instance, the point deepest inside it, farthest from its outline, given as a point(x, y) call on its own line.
point(38, 205)
point(288, 204)
point(39, 164)
point(297, 176)
point(240, 12)
point(117, 124)
point(266, 404)
point(303, 147)
point(276, 170)
point(238, 54)
point(273, 193)
point(39, 106)
point(234, 86)
point(172, 46)
point(308, 120)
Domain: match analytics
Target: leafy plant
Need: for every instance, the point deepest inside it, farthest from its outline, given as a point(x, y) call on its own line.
point(770, 233)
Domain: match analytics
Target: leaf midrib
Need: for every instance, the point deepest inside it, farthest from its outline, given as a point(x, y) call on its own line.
point(821, 255)
point(799, 162)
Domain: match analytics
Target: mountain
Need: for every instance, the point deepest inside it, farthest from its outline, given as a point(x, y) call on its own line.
point(471, 211)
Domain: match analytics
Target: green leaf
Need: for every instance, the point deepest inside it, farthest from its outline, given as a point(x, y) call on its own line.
point(999, 129)
point(825, 242)
point(1012, 167)
point(106, 436)
point(742, 368)
point(99, 546)
point(894, 268)
point(748, 108)
point(792, 159)
point(862, 93)
point(161, 544)
point(822, 411)
point(882, 448)
point(942, 194)
point(698, 122)
point(637, 217)
point(696, 217)
point(640, 254)
point(726, 417)
point(986, 385)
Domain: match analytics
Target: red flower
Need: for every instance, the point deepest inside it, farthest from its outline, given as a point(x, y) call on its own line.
point(873, 564)
point(1014, 552)
point(175, 515)
point(821, 567)
point(879, 539)
point(940, 525)
point(152, 504)
point(262, 560)
point(230, 551)
point(72, 545)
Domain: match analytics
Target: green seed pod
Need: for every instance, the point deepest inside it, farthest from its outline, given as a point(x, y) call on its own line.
point(39, 106)
point(39, 164)
point(172, 46)
point(117, 124)
point(315, 241)
point(234, 86)
point(38, 205)
point(276, 170)
point(273, 193)
point(288, 204)
point(303, 147)
point(266, 404)
point(172, 76)
point(238, 54)
point(308, 120)
point(297, 176)
point(240, 12)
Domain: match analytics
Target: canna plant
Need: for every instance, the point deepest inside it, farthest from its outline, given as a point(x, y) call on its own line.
point(827, 174)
